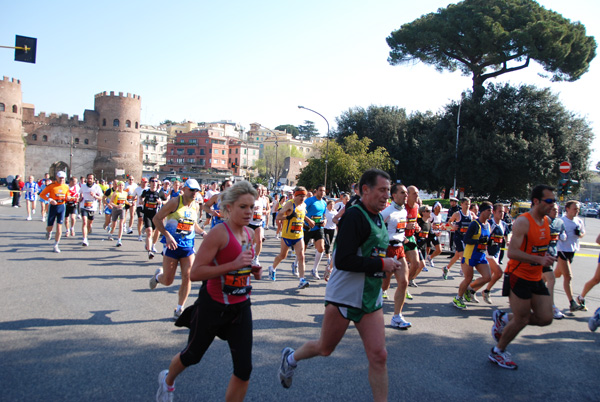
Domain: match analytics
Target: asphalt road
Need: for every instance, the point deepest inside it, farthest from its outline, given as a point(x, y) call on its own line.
point(83, 325)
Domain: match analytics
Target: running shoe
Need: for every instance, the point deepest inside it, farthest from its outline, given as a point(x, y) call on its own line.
point(164, 394)
point(473, 295)
point(399, 322)
point(107, 228)
point(56, 249)
point(467, 296)
point(315, 274)
point(486, 296)
point(445, 271)
point(129, 230)
point(295, 269)
point(254, 262)
point(412, 284)
point(29, 218)
point(499, 324)
point(48, 234)
point(431, 264)
point(408, 295)
point(581, 302)
point(425, 269)
point(272, 274)
point(150, 255)
point(154, 249)
point(286, 370)
point(153, 280)
point(502, 359)
point(303, 284)
point(177, 313)
point(119, 244)
point(459, 303)
point(327, 274)
point(574, 306)
point(33, 211)
point(110, 237)
point(428, 259)
point(558, 315)
point(85, 243)
point(385, 294)
point(594, 321)
point(140, 238)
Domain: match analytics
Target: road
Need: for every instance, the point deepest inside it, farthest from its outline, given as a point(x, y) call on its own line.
point(83, 325)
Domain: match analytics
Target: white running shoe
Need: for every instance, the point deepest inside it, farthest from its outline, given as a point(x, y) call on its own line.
point(399, 322)
point(85, 243)
point(33, 211)
point(164, 394)
point(29, 218)
point(140, 238)
point(119, 244)
point(315, 274)
point(154, 249)
point(177, 313)
point(56, 249)
point(129, 230)
point(153, 280)
point(48, 235)
point(558, 315)
point(286, 370)
point(303, 284)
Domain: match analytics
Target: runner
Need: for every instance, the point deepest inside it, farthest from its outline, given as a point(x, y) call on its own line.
point(55, 194)
point(461, 219)
point(119, 200)
point(71, 206)
point(313, 226)
point(130, 187)
point(498, 231)
point(410, 241)
point(166, 189)
point(89, 196)
point(422, 236)
point(31, 191)
point(274, 209)
point(476, 240)
point(257, 224)
point(106, 202)
point(529, 298)
point(139, 206)
point(329, 230)
point(278, 223)
point(354, 289)
point(223, 306)
point(557, 232)
point(208, 194)
point(575, 229)
point(152, 199)
point(433, 240)
point(395, 218)
point(44, 203)
point(179, 231)
point(292, 236)
point(212, 207)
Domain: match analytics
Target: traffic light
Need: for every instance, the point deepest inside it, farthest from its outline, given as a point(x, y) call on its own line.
point(563, 185)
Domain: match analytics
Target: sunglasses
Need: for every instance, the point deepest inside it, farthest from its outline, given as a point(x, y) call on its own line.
point(550, 200)
point(193, 189)
point(153, 181)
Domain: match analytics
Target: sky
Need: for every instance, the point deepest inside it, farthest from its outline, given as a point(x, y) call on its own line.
point(248, 61)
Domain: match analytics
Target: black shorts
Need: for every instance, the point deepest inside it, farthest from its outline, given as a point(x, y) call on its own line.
point(410, 244)
point(318, 234)
point(87, 214)
point(546, 269)
point(254, 227)
point(566, 255)
point(523, 288)
point(139, 212)
point(432, 240)
point(70, 209)
point(148, 223)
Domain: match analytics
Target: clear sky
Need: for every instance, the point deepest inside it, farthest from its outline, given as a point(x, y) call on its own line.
point(248, 61)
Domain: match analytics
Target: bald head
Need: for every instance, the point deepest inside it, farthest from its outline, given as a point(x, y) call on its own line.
point(413, 195)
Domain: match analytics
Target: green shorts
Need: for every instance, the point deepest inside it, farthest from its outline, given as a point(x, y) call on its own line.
point(411, 243)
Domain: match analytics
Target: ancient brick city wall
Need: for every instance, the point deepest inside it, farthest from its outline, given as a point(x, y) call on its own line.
point(12, 146)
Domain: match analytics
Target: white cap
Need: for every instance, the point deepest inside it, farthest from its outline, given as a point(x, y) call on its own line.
point(192, 184)
point(61, 174)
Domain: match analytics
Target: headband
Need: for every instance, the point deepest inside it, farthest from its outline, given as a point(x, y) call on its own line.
point(299, 192)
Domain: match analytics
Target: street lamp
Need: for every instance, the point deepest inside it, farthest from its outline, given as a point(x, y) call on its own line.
point(462, 97)
point(327, 148)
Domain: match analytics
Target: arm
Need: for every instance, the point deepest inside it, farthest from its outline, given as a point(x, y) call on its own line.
point(336, 219)
point(217, 239)
point(471, 231)
point(207, 207)
point(520, 230)
point(158, 219)
point(284, 211)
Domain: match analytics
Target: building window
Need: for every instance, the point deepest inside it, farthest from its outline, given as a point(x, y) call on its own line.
point(45, 138)
point(136, 124)
point(191, 151)
point(128, 123)
point(182, 141)
point(15, 109)
point(34, 137)
point(116, 123)
point(223, 152)
point(201, 151)
point(86, 141)
point(222, 161)
point(236, 151)
point(180, 160)
point(180, 151)
point(191, 160)
point(245, 151)
point(76, 141)
point(201, 162)
point(2, 107)
point(103, 122)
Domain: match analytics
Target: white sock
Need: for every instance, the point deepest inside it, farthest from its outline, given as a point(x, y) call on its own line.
point(318, 256)
point(179, 307)
point(291, 361)
point(496, 350)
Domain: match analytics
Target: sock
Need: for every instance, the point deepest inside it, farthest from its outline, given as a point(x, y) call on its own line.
point(496, 350)
point(486, 291)
point(317, 260)
point(291, 361)
point(179, 307)
point(56, 243)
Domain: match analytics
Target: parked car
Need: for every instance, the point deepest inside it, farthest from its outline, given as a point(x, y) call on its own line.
point(589, 212)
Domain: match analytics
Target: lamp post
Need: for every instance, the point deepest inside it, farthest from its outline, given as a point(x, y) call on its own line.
point(462, 97)
point(327, 147)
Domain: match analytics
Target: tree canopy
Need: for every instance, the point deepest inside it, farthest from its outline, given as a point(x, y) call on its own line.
point(487, 38)
point(293, 130)
point(308, 130)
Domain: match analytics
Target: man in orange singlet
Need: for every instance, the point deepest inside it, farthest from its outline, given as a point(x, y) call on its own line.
point(529, 298)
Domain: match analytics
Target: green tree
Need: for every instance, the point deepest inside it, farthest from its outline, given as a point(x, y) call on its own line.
point(307, 130)
point(293, 130)
point(168, 122)
point(511, 140)
point(487, 38)
point(347, 162)
point(272, 162)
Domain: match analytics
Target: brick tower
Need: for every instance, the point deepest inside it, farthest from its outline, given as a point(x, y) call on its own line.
point(118, 135)
point(12, 146)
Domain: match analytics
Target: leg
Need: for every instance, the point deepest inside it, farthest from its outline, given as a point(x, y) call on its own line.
point(84, 226)
point(186, 283)
point(468, 277)
point(402, 280)
point(592, 282)
point(333, 330)
point(299, 249)
point(372, 333)
point(169, 269)
point(258, 243)
point(565, 269)
point(484, 270)
point(412, 256)
point(521, 309)
point(282, 254)
point(496, 273)
point(437, 251)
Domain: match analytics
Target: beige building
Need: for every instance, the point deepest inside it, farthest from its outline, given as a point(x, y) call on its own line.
point(154, 140)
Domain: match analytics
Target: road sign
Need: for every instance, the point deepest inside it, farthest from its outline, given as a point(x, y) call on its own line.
point(278, 184)
point(564, 167)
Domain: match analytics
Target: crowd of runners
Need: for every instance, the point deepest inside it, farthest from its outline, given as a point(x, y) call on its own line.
point(377, 232)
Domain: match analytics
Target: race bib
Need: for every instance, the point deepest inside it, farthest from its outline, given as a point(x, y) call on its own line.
point(497, 239)
point(185, 226)
point(296, 227)
point(237, 282)
point(88, 204)
point(150, 205)
point(400, 226)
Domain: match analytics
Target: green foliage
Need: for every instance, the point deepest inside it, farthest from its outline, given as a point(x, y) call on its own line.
point(293, 130)
point(347, 162)
point(487, 38)
point(272, 162)
point(307, 130)
point(168, 123)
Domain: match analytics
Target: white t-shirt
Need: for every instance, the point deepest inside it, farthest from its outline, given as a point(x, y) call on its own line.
point(329, 215)
point(395, 217)
point(130, 188)
point(88, 202)
point(138, 191)
point(571, 244)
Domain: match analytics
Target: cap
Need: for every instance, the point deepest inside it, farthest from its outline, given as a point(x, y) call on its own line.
point(166, 181)
point(453, 199)
point(192, 184)
point(61, 174)
point(120, 182)
point(144, 179)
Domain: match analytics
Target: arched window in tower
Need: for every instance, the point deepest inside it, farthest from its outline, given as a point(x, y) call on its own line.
point(2, 107)
point(34, 137)
point(45, 138)
point(103, 122)
point(76, 141)
point(116, 123)
point(136, 124)
point(128, 123)
point(15, 109)
point(86, 141)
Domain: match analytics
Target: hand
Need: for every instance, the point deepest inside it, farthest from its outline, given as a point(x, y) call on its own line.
point(390, 264)
point(171, 243)
point(311, 223)
point(243, 259)
point(52, 201)
point(547, 260)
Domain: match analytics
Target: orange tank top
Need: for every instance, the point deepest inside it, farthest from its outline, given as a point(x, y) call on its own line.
point(535, 242)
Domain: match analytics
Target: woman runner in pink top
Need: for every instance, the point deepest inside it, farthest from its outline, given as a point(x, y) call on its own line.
point(223, 262)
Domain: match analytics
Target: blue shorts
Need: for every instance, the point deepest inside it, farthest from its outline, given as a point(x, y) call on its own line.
point(291, 242)
point(459, 246)
point(107, 211)
point(56, 212)
point(476, 259)
point(178, 253)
